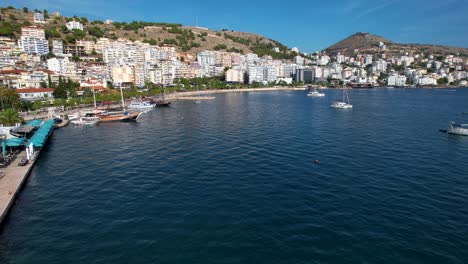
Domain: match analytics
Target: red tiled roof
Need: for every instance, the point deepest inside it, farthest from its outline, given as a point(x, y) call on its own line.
point(12, 71)
point(34, 90)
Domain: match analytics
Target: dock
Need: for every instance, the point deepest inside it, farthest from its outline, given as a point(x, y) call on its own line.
point(12, 180)
point(13, 177)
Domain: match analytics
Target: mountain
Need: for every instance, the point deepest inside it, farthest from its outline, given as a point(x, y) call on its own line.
point(369, 43)
point(187, 39)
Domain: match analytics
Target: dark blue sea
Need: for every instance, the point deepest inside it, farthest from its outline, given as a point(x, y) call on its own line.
point(233, 180)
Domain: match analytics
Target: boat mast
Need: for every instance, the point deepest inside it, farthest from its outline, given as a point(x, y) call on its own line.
point(94, 98)
point(121, 95)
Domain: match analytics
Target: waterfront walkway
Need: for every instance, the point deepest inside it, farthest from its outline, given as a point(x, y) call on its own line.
point(11, 180)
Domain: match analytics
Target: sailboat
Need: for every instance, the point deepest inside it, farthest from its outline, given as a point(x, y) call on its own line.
point(163, 102)
point(123, 116)
point(342, 104)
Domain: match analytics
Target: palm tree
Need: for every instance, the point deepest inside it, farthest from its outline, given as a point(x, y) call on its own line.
point(10, 99)
point(10, 117)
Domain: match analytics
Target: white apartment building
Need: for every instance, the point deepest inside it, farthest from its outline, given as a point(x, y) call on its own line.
point(32, 94)
point(38, 18)
point(32, 32)
point(123, 74)
point(396, 80)
point(425, 80)
point(235, 76)
point(88, 45)
point(340, 58)
point(368, 60)
point(379, 66)
point(206, 58)
point(57, 47)
point(29, 45)
point(74, 25)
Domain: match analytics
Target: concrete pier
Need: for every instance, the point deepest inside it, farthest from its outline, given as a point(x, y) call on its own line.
point(13, 179)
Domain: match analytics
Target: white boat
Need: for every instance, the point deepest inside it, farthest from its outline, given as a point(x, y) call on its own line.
point(457, 129)
point(141, 105)
point(85, 120)
point(315, 94)
point(74, 116)
point(342, 104)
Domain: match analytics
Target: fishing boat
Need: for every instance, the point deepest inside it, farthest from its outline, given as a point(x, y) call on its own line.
point(85, 120)
point(342, 104)
point(141, 105)
point(457, 129)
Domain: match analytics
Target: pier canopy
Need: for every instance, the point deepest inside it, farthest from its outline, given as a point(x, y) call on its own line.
point(34, 123)
point(41, 134)
point(13, 142)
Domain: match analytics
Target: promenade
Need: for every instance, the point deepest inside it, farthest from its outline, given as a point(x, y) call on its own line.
point(12, 179)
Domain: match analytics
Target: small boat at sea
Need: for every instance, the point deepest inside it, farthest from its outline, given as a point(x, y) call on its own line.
point(141, 105)
point(315, 94)
point(342, 104)
point(85, 120)
point(457, 129)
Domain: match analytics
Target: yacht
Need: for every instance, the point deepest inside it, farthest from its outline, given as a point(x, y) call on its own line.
point(342, 104)
point(141, 105)
point(315, 94)
point(457, 129)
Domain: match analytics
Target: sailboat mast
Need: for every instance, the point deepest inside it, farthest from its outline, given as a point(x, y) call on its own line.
point(94, 99)
point(121, 95)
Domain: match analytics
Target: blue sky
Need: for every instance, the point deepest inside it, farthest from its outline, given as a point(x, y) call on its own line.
point(307, 24)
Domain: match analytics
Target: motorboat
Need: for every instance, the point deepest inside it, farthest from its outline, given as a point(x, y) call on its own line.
point(342, 104)
point(457, 129)
point(85, 120)
point(315, 94)
point(141, 105)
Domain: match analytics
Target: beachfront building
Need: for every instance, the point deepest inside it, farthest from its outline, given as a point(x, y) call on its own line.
point(235, 76)
point(74, 25)
point(32, 94)
point(396, 80)
point(425, 81)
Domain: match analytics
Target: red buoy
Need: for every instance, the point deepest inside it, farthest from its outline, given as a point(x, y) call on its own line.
point(316, 161)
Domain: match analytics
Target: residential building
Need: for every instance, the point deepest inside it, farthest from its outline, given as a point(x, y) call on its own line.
point(396, 80)
point(57, 47)
point(74, 25)
point(38, 18)
point(32, 94)
point(235, 76)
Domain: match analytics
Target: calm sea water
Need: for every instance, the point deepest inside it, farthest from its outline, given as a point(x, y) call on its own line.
point(233, 180)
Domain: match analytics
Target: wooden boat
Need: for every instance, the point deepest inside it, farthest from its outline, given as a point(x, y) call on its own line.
point(118, 116)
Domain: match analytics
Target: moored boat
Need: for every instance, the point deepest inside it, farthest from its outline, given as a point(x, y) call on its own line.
point(141, 105)
point(85, 120)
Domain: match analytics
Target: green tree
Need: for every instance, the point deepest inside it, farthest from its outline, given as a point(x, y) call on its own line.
point(9, 99)
point(25, 9)
point(9, 117)
point(442, 81)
